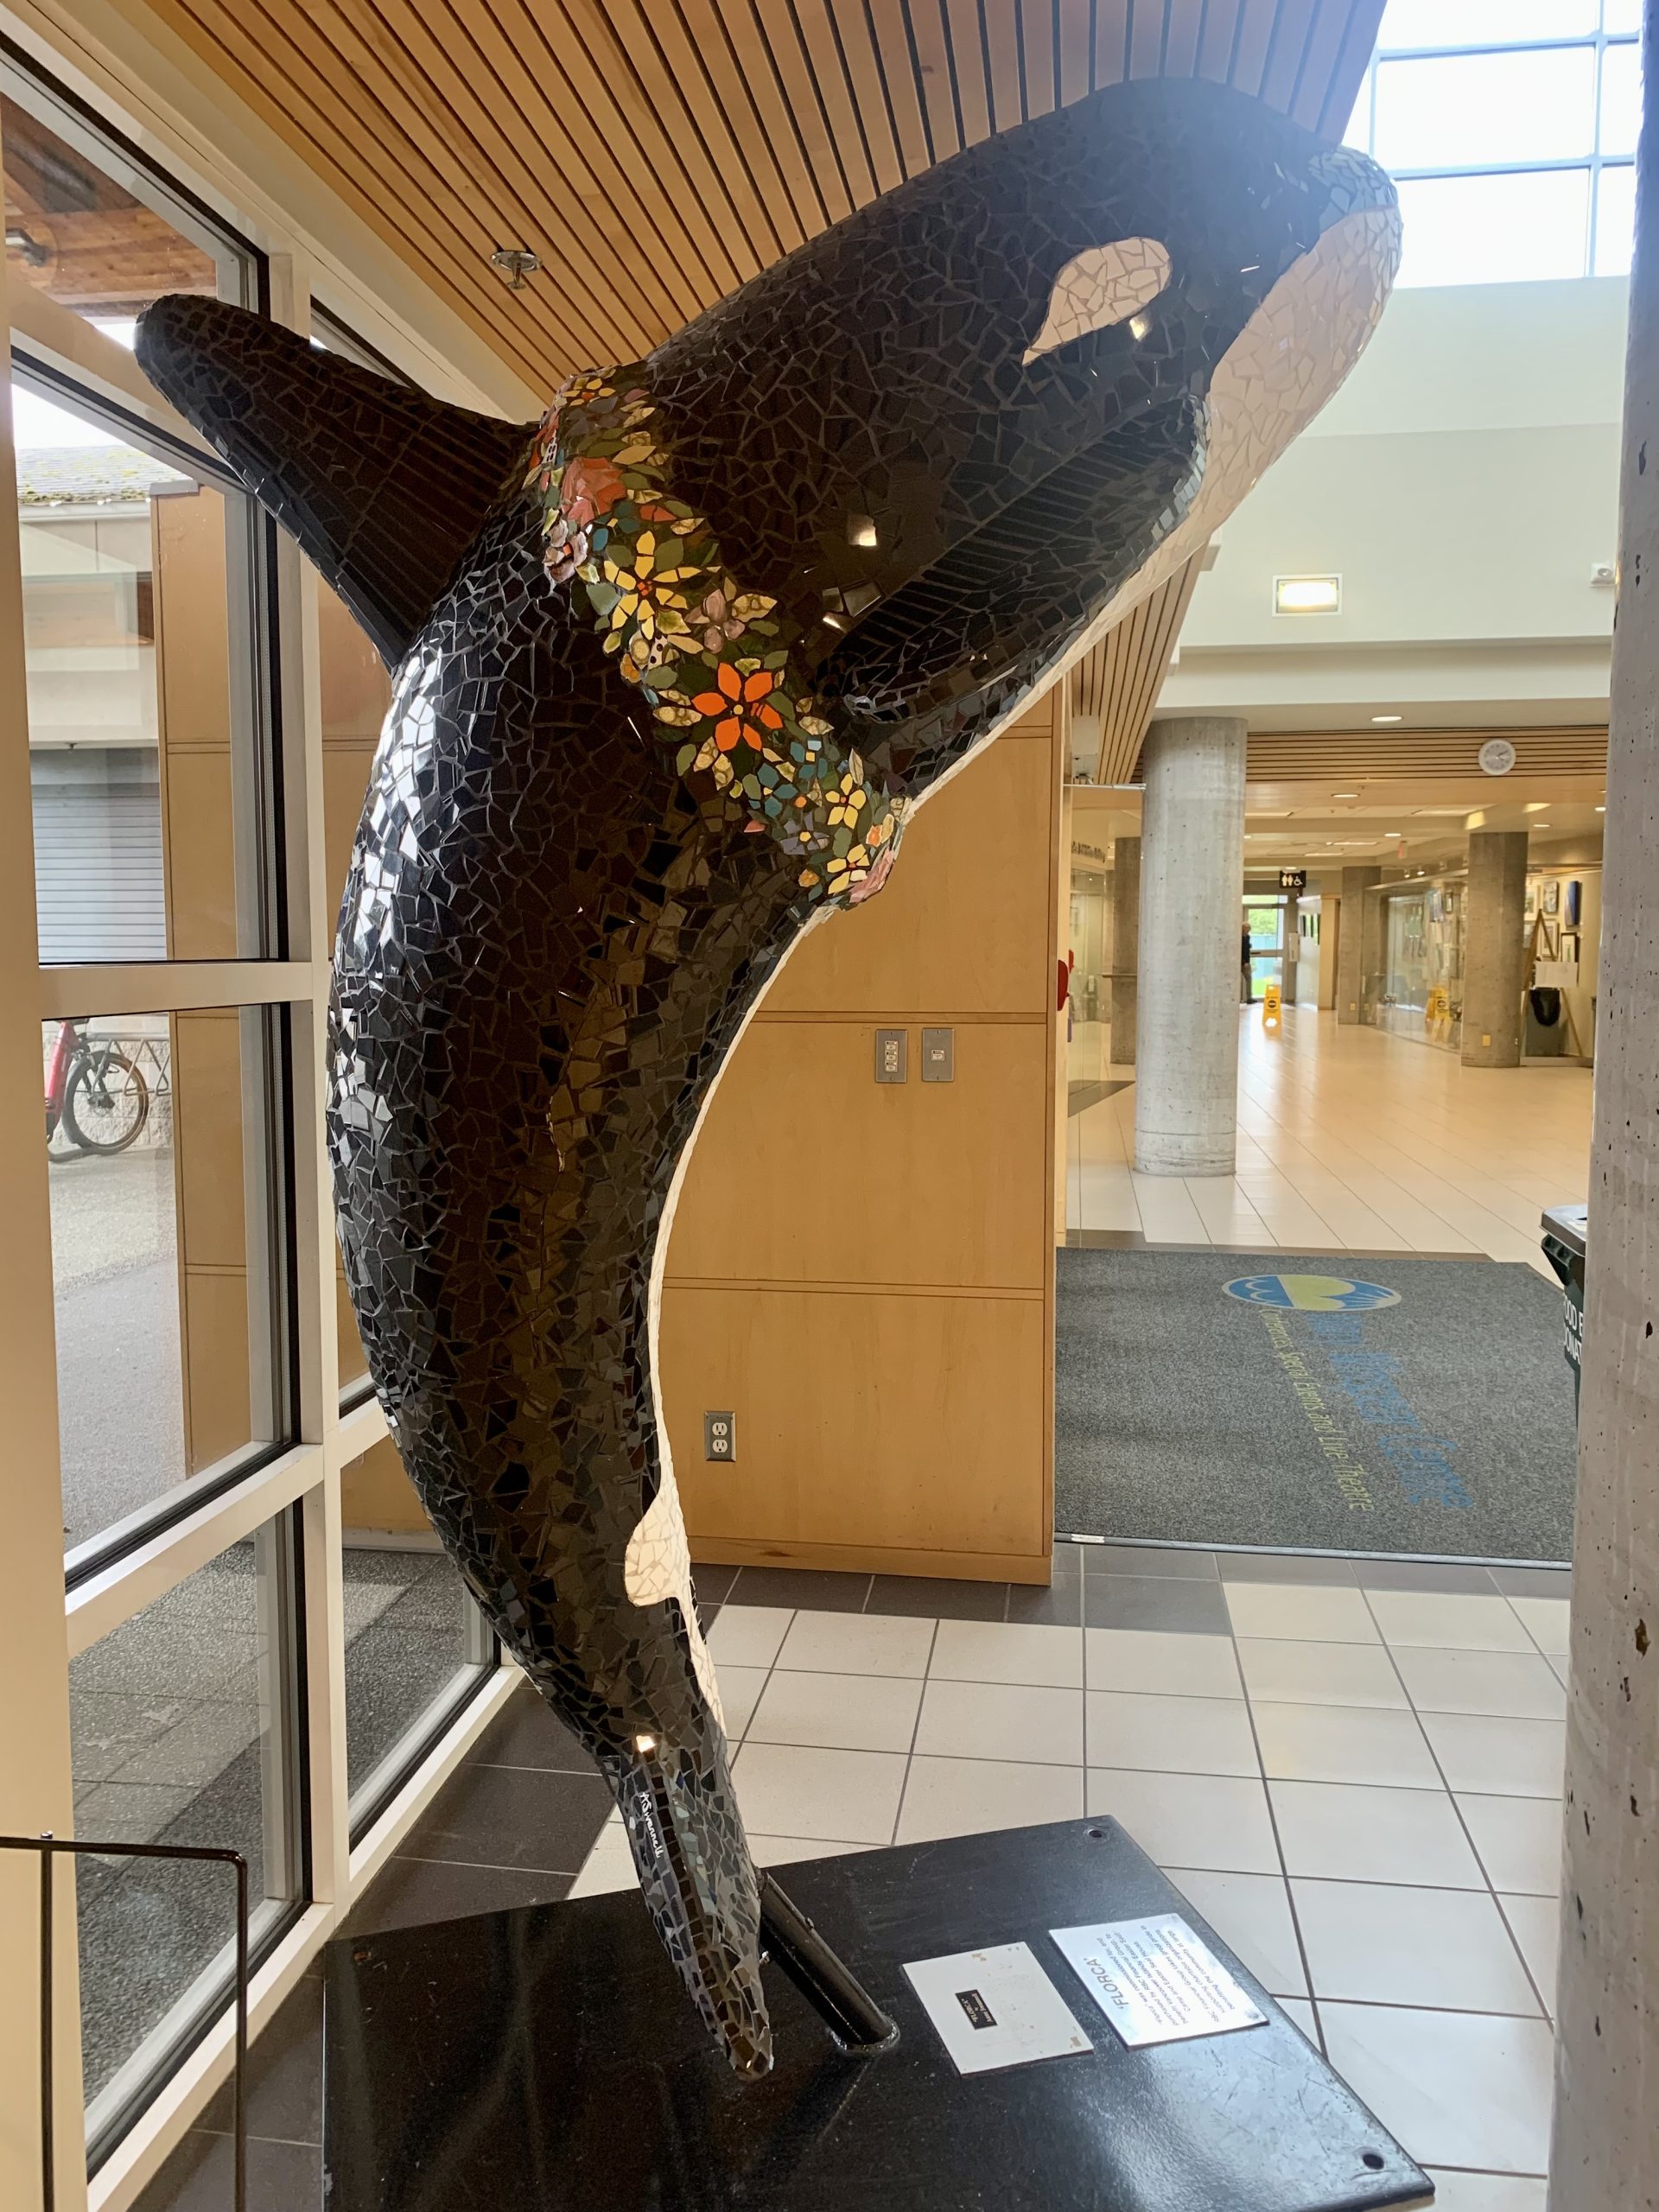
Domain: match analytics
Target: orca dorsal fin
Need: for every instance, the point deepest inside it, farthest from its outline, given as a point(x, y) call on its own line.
point(384, 487)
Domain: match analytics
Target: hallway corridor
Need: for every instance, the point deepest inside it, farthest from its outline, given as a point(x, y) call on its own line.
point(1349, 1140)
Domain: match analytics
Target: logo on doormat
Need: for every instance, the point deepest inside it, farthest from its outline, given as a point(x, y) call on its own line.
point(1311, 1294)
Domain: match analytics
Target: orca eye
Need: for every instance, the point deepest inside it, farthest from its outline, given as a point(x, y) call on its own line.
point(1104, 285)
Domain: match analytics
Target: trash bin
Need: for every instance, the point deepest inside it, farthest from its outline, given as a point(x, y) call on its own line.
point(1564, 1237)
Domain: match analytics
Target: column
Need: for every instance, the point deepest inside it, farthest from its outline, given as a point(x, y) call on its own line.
point(1495, 949)
point(1126, 947)
point(1191, 881)
point(1353, 976)
point(1605, 2150)
point(1293, 925)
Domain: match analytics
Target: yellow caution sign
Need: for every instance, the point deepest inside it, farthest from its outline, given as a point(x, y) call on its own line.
point(1272, 1006)
point(1439, 1004)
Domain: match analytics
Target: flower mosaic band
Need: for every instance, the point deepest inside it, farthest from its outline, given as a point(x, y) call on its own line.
point(711, 660)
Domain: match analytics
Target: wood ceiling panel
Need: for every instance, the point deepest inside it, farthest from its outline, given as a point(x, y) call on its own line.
point(657, 152)
point(1413, 755)
point(1119, 678)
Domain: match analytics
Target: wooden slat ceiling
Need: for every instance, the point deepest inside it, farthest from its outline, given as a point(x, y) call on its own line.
point(1119, 678)
point(657, 152)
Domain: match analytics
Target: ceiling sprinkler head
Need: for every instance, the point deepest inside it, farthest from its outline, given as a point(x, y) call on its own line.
point(516, 263)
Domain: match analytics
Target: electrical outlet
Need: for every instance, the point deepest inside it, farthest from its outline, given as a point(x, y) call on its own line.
point(720, 1437)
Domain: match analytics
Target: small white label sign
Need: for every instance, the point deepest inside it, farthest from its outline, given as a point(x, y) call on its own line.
point(995, 2009)
point(1155, 1981)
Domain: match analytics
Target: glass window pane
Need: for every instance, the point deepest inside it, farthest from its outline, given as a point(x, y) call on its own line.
point(1615, 222)
point(1621, 98)
point(144, 742)
point(415, 1640)
point(1494, 230)
point(1621, 15)
point(164, 1254)
point(183, 1726)
point(1483, 22)
point(1463, 110)
point(90, 230)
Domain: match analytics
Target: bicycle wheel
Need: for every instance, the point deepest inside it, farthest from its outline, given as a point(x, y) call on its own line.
point(106, 1102)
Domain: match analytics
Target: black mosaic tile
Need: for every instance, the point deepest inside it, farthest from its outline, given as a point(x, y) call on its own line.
point(672, 671)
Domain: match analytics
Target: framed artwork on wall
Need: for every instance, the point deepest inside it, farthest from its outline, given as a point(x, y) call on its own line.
point(1532, 901)
point(1574, 894)
point(1570, 946)
point(1551, 896)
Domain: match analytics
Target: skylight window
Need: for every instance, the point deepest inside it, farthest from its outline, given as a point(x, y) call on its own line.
point(1509, 127)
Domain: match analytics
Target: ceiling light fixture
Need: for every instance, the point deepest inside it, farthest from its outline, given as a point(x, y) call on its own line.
point(1344, 794)
point(1387, 718)
point(1307, 594)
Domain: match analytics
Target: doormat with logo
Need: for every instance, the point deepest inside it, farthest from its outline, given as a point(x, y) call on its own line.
point(1408, 1405)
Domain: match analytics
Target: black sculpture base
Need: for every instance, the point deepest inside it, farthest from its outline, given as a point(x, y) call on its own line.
point(545, 2060)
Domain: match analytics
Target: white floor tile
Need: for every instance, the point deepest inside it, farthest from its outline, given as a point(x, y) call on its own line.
point(790, 1850)
point(1251, 1915)
point(1446, 1620)
point(748, 1635)
point(1008, 1651)
point(1300, 2012)
point(739, 1689)
point(1514, 1685)
point(1382, 1945)
point(971, 1796)
point(1333, 1743)
point(851, 1797)
point(1186, 1735)
point(849, 1713)
point(1320, 1673)
point(1304, 1612)
point(608, 1866)
point(1161, 1662)
point(1345, 1833)
point(1456, 2088)
point(1214, 1821)
point(1498, 1758)
point(1001, 1720)
point(1536, 1924)
point(1487, 2192)
point(1545, 1620)
point(857, 1643)
point(1519, 1839)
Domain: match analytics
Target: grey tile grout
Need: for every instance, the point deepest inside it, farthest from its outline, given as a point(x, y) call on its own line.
point(915, 1730)
point(1457, 1809)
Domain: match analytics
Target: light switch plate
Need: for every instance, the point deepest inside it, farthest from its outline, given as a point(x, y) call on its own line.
point(938, 1056)
point(892, 1055)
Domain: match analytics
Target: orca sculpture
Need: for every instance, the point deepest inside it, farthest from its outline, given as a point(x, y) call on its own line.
point(672, 671)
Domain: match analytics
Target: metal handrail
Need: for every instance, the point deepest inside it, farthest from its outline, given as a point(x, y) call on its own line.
point(49, 1847)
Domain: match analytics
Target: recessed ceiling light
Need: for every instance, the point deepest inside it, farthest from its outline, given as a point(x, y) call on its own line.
point(1344, 794)
point(1387, 718)
point(1601, 810)
point(1393, 833)
point(1307, 594)
point(1540, 825)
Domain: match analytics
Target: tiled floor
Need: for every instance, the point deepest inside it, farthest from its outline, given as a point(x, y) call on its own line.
point(1352, 1768)
point(1349, 1140)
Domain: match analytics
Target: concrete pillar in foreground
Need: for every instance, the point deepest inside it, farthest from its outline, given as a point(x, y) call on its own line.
point(1126, 947)
point(1351, 976)
point(1191, 879)
point(1494, 948)
point(1605, 2157)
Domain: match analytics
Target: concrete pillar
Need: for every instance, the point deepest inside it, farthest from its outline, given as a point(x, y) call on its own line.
point(1605, 2157)
point(1494, 948)
point(1353, 975)
point(1126, 947)
point(1192, 877)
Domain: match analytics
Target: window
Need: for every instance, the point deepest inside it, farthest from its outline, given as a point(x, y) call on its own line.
point(229, 1493)
point(1511, 134)
point(185, 1730)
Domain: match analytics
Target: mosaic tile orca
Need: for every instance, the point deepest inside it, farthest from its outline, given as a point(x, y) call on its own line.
point(672, 671)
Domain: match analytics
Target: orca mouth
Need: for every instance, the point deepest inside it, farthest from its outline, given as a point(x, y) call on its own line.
point(1020, 587)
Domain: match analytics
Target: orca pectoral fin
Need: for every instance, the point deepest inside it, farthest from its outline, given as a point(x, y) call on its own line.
point(384, 487)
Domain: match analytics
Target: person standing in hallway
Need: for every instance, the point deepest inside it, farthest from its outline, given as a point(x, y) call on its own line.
point(1246, 981)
